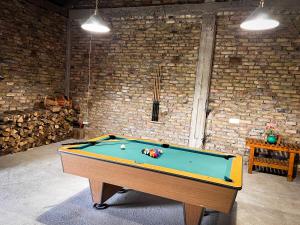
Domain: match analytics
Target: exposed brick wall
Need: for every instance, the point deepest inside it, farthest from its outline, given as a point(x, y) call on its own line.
point(124, 65)
point(32, 54)
point(255, 78)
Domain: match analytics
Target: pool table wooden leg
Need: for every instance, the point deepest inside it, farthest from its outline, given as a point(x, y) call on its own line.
point(102, 191)
point(291, 167)
point(193, 214)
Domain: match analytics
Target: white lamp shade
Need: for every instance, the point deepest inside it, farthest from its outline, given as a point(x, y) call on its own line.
point(96, 24)
point(259, 20)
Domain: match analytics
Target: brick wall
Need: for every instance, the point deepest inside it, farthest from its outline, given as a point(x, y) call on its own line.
point(124, 65)
point(256, 79)
point(32, 54)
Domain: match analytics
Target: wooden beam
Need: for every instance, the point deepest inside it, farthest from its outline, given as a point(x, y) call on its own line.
point(202, 84)
point(161, 10)
point(182, 9)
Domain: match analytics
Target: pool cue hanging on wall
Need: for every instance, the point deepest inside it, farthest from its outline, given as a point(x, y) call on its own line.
point(156, 95)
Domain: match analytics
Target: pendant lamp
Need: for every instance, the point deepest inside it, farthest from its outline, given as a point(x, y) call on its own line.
point(259, 20)
point(96, 23)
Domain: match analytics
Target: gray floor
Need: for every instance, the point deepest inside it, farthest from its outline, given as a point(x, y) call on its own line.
point(34, 191)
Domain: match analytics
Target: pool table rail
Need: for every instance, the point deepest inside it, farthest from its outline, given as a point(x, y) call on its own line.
point(234, 181)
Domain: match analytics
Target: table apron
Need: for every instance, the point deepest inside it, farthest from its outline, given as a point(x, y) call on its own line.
point(189, 191)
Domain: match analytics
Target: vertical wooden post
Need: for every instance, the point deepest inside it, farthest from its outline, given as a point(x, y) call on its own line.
point(251, 159)
point(291, 166)
point(203, 75)
point(193, 214)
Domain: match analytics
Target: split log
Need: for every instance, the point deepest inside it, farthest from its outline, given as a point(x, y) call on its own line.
point(20, 130)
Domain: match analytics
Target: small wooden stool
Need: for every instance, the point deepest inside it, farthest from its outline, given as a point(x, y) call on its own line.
point(287, 165)
point(78, 133)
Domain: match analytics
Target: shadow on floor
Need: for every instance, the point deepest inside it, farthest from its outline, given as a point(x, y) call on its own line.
point(131, 208)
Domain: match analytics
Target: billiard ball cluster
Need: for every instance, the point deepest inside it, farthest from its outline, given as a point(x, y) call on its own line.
point(153, 152)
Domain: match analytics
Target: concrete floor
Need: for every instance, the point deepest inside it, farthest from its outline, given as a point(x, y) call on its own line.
point(34, 191)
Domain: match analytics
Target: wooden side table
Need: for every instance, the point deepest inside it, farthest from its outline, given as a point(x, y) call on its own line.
point(287, 165)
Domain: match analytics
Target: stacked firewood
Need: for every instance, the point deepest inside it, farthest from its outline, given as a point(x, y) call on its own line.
point(20, 130)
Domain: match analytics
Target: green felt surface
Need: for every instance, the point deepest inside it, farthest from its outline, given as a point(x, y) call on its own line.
point(183, 159)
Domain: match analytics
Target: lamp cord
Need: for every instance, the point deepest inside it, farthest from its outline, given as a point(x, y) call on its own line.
point(262, 2)
point(96, 9)
point(89, 79)
point(90, 51)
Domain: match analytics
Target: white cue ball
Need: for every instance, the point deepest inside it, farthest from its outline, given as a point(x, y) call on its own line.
point(123, 147)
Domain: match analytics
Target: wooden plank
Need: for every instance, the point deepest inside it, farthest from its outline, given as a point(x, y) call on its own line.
point(202, 84)
point(273, 148)
point(296, 151)
point(202, 194)
point(193, 214)
point(271, 163)
point(161, 10)
point(182, 9)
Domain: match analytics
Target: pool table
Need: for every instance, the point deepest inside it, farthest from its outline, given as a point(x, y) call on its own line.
point(198, 178)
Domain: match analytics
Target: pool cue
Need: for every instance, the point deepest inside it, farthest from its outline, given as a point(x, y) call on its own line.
point(154, 90)
point(83, 143)
point(111, 137)
point(159, 80)
point(155, 107)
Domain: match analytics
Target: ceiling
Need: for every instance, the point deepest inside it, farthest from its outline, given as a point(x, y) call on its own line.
point(64, 3)
point(59, 2)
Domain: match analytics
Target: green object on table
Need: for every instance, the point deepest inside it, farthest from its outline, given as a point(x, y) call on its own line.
point(272, 139)
point(178, 158)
